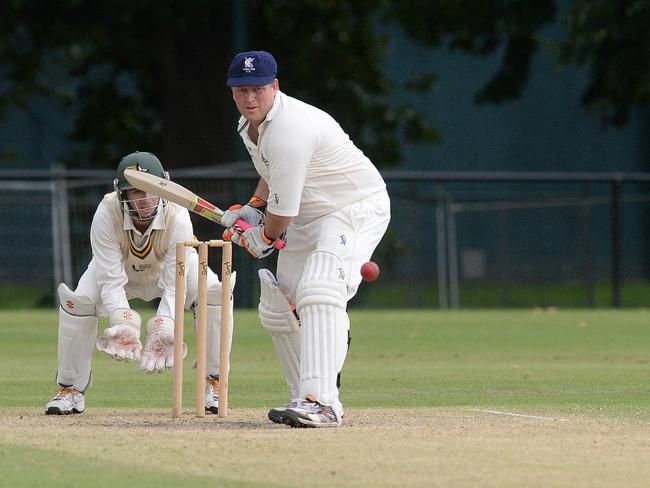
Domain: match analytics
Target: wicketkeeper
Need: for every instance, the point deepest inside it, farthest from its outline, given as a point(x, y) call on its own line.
point(133, 238)
point(324, 193)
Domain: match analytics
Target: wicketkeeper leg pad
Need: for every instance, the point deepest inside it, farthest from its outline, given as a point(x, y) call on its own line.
point(277, 316)
point(75, 304)
point(214, 288)
point(77, 334)
point(213, 330)
point(321, 301)
point(213, 338)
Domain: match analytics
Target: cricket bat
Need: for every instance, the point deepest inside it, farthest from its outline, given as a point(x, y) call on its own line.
point(182, 196)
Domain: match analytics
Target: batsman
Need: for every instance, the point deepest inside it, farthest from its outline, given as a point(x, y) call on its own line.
point(133, 238)
point(320, 193)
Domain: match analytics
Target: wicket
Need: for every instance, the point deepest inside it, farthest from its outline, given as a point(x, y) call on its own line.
point(201, 319)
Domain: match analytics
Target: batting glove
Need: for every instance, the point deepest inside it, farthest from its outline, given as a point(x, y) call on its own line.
point(252, 212)
point(255, 241)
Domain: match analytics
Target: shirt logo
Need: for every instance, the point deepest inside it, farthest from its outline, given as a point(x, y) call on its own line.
point(343, 240)
point(265, 161)
point(276, 198)
point(139, 268)
point(248, 65)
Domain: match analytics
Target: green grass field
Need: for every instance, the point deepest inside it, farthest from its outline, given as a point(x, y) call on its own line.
point(387, 294)
point(473, 398)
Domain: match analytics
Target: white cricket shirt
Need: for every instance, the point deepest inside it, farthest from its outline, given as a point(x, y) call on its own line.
point(144, 274)
point(310, 164)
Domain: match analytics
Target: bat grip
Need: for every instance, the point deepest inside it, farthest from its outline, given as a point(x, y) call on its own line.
point(244, 226)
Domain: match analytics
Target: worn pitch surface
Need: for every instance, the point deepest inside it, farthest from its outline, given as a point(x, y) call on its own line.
point(375, 447)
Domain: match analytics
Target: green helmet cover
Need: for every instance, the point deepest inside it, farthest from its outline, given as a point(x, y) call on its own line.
point(143, 161)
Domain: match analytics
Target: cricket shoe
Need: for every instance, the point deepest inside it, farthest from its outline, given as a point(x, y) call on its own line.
point(310, 413)
point(212, 395)
point(66, 401)
point(276, 415)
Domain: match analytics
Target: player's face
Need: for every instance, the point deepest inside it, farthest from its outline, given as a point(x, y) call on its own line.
point(254, 102)
point(145, 204)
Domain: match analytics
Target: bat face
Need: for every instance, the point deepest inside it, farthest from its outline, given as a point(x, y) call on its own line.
point(174, 193)
point(182, 196)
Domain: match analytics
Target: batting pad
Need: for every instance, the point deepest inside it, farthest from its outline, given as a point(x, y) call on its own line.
point(213, 322)
point(76, 343)
point(321, 302)
point(277, 316)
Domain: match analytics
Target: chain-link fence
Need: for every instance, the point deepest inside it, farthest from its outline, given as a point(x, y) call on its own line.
point(455, 240)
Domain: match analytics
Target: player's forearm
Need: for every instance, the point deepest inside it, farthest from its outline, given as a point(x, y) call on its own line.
point(275, 225)
point(180, 230)
point(262, 190)
point(167, 283)
point(110, 274)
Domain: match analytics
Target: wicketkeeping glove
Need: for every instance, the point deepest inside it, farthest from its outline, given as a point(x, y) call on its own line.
point(121, 339)
point(158, 353)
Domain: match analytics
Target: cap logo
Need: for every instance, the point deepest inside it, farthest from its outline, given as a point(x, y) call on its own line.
point(252, 68)
point(248, 65)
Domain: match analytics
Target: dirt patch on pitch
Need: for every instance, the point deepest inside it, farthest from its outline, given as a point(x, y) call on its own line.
point(383, 448)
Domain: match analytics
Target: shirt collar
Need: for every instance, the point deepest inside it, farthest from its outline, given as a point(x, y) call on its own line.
point(276, 106)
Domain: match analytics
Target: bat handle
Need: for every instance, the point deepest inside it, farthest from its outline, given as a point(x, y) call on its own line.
point(244, 226)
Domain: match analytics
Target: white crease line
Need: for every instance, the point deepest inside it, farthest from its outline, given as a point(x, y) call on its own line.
point(511, 414)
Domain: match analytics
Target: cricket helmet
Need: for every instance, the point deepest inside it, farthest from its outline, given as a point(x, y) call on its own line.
point(147, 163)
point(142, 161)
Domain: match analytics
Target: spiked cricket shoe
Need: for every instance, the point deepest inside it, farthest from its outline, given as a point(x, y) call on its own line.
point(212, 395)
point(276, 415)
point(66, 401)
point(310, 413)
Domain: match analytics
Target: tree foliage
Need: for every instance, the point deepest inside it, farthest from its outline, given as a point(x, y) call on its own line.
point(613, 40)
point(141, 75)
point(151, 74)
point(481, 28)
point(610, 38)
point(338, 65)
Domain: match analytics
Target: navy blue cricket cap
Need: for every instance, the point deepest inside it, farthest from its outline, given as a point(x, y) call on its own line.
point(252, 68)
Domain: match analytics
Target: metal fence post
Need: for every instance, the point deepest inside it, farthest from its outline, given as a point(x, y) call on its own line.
point(452, 253)
point(56, 239)
point(441, 251)
point(60, 228)
point(617, 241)
point(64, 219)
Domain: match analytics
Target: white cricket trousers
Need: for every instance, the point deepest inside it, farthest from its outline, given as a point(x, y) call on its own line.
point(320, 271)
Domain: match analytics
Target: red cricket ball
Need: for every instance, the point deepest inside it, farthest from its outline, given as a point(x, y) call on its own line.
point(370, 271)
